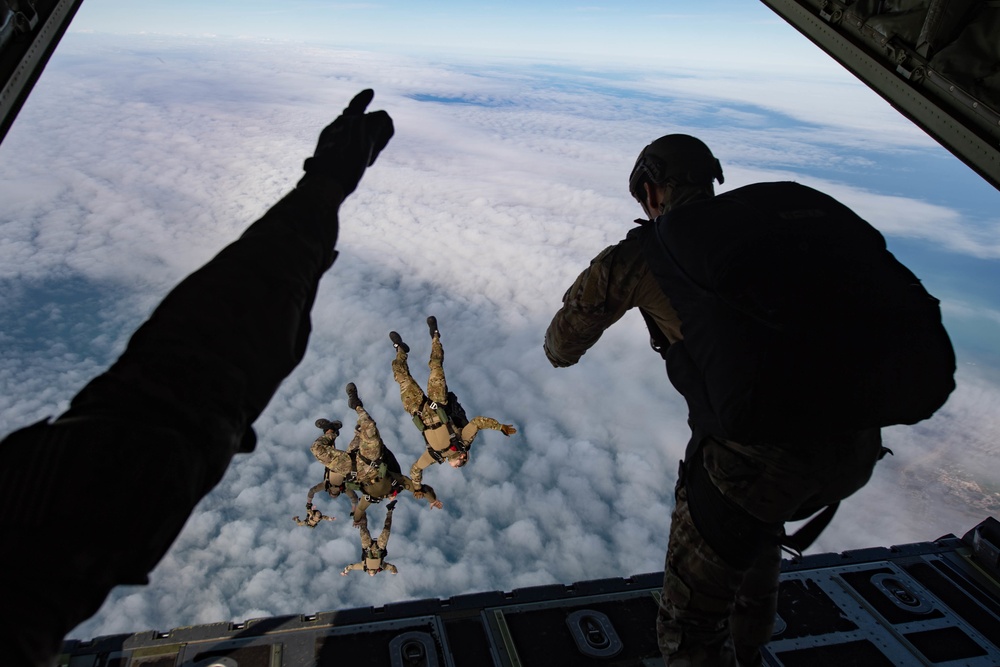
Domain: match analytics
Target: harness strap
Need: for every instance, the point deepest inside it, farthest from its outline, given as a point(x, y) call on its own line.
point(807, 534)
point(444, 420)
point(657, 339)
point(456, 446)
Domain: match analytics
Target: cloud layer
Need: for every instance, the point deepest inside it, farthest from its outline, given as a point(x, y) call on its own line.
point(501, 183)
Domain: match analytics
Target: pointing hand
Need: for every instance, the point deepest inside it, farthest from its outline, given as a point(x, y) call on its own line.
point(350, 144)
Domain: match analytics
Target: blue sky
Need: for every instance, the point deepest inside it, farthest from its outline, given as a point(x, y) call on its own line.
point(155, 138)
point(644, 31)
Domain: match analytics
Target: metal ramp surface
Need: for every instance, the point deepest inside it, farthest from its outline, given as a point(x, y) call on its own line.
point(931, 603)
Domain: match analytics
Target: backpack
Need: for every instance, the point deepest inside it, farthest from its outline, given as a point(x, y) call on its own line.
point(455, 411)
point(795, 317)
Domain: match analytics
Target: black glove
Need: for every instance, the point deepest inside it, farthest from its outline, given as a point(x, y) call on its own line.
point(350, 144)
point(553, 359)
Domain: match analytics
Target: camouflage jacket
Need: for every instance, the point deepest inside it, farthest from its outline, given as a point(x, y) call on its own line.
point(439, 440)
point(323, 448)
point(617, 280)
point(369, 565)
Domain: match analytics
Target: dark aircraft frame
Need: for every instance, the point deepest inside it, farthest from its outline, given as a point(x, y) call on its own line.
point(933, 60)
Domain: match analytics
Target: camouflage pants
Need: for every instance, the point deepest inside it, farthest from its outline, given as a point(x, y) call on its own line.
point(369, 444)
point(713, 613)
point(383, 538)
point(710, 611)
point(412, 395)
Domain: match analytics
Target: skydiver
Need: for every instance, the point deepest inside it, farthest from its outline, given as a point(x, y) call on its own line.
point(373, 553)
point(367, 446)
point(448, 434)
point(338, 464)
point(335, 473)
point(313, 515)
point(377, 474)
point(712, 611)
point(166, 419)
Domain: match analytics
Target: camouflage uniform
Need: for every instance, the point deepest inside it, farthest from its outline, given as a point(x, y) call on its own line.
point(388, 482)
point(376, 472)
point(313, 516)
point(617, 280)
point(333, 483)
point(713, 609)
point(412, 395)
point(338, 464)
point(373, 554)
point(323, 446)
point(368, 449)
point(437, 433)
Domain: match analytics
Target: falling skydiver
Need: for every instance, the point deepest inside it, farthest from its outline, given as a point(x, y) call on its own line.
point(448, 435)
point(377, 474)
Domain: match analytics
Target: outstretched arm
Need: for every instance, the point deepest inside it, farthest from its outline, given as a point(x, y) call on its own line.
point(616, 280)
point(313, 517)
point(417, 469)
point(313, 491)
point(425, 491)
point(585, 313)
point(428, 492)
point(478, 423)
point(353, 566)
point(165, 420)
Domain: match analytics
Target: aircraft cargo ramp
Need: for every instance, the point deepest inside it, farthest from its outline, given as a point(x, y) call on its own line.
point(930, 603)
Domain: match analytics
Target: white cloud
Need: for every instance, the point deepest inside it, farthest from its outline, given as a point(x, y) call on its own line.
point(479, 213)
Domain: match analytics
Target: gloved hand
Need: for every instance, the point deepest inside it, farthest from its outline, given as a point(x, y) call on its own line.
point(508, 429)
point(350, 144)
point(553, 359)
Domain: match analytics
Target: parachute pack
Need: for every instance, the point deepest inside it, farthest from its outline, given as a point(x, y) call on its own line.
point(455, 411)
point(450, 414)
point(796, 318)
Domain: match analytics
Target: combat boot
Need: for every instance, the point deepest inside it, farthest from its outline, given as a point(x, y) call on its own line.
point(397, 342)
point(390, 506)
point(327, 425)
point(432, 324)
point(353, 402)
